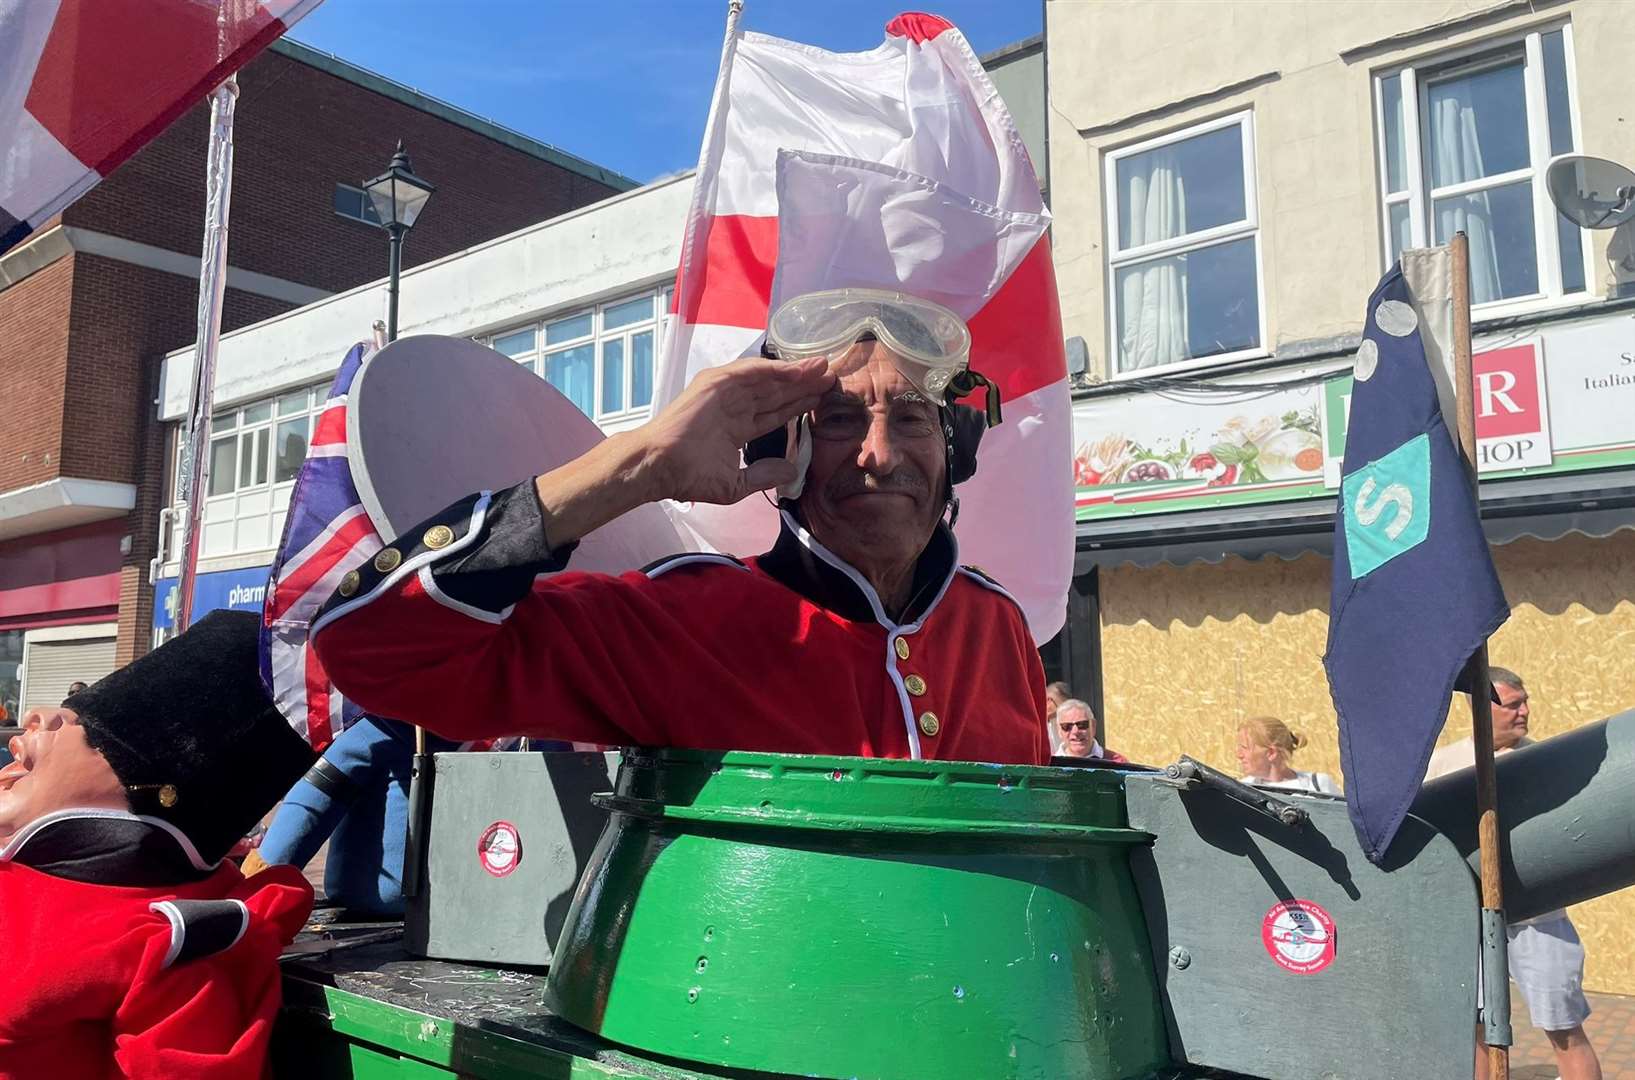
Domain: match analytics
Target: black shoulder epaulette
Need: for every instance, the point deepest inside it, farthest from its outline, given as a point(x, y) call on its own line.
point(202, 927)
point(691, 558)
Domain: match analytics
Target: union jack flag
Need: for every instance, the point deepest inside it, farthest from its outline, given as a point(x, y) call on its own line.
point(326, 533)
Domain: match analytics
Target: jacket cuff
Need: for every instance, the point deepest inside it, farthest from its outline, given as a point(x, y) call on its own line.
point(484, 553)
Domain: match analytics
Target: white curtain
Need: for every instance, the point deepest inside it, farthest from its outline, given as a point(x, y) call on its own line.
point(1153, 296)
point(1458, 158)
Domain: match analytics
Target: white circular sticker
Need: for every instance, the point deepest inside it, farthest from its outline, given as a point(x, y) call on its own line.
point(500, 848)
point(1298, 936)
point(1368, 358)
point(1395, 318)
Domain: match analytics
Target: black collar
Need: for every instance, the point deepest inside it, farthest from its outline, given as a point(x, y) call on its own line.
point(106, 847)
point(798, 561)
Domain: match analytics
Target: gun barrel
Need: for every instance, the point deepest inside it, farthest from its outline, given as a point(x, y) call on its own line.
point(1566, 816)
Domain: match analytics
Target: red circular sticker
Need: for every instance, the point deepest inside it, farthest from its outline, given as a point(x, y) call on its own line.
point(500, 848)
point(1299, 936)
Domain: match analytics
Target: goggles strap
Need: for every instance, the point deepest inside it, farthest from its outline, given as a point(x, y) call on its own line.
point(967, 381)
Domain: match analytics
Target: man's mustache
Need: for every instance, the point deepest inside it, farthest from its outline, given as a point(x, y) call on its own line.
point(898, 482)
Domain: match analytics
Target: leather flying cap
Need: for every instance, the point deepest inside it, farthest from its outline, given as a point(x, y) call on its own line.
point(192, 733)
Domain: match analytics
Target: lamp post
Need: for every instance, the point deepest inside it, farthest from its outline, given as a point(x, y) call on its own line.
point(398, 196)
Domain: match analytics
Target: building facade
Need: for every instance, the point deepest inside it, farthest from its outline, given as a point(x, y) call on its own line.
point(90, 305)
point(1218, 232)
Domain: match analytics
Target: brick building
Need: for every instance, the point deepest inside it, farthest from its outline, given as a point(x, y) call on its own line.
point(90, 305)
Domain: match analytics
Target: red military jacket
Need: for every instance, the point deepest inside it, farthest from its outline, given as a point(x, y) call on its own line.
point(125, 955)
point(455, 629)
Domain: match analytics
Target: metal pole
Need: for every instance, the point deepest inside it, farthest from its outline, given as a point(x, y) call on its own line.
point(391, 282)
point(195, 466)
point(1495, 945)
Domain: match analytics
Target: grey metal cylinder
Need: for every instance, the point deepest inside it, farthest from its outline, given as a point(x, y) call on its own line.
point(1566, 816)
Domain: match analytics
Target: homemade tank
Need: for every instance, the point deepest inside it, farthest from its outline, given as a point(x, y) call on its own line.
point(758, 915)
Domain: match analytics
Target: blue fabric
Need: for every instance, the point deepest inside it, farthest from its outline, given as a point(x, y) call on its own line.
point(1414, 591)
point(364, 870)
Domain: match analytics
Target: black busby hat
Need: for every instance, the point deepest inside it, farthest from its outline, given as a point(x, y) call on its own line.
point(192, 733)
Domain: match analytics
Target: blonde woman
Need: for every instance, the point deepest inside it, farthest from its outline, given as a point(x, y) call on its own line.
point(1265, 745)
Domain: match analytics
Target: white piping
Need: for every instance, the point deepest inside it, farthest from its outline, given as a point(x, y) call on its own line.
point(694, 557)
point(22, 836)
point(893, 630)
point(988, 584)
point(410, 566)
point(178, 929)
point(428, 583)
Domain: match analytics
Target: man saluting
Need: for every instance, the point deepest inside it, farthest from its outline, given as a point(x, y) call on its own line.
point(132, 946)
point(858, 633)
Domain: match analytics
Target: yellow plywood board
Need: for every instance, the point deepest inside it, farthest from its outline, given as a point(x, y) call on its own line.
point(1188, 652)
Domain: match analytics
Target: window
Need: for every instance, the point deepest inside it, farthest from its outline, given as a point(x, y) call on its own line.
point(11, 677)
point(601, 359)
point(1453, 156)
point(354, 203)
point(1184, 248)
point(255, 453)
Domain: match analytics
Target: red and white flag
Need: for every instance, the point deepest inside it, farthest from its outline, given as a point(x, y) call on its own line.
point(84, 84)
point(912, 141)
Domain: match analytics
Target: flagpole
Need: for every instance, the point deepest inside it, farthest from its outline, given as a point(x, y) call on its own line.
point(1495, 945)
point(195, 465)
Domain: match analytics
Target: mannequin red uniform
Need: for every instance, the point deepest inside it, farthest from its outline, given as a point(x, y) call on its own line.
point(100, 982)
point(790, 652)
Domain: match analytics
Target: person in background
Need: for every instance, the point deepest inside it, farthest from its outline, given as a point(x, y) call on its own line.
point(75, 687)
point(1055, 694)
point(1265, 745)
point(1076, 728)
point(1546, 955)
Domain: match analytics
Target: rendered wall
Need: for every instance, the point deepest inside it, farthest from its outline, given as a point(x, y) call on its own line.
point(1188, 652)
point(1121, 71)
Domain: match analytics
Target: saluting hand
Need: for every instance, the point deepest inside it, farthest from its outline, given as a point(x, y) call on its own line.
point(694, 443)
point(690, 451)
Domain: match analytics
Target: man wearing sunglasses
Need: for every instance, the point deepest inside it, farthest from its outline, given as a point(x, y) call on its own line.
point(858, 633)
point(1077, 734)
point(1546, 955)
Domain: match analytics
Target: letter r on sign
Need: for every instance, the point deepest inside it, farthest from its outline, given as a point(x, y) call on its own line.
point(1495, 388)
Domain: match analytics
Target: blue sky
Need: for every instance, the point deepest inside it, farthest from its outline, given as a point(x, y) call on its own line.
point(625, 83)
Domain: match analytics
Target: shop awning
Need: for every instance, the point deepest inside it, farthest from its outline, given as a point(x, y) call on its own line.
point(1593, 504)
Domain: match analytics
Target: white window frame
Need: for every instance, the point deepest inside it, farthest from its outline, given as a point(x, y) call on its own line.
point(1249, 227)
point(366, 202)
point(598, 336)
point(1419, 195)
point(277, 491)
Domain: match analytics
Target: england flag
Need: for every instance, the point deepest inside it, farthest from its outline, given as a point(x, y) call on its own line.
point(84, 84)
point(909, 150)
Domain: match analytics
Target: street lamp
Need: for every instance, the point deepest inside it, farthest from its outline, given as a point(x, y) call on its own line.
point(398, 196)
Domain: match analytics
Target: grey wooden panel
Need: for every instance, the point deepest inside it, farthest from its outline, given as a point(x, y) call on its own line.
point(1398, 998)
point(464, 912)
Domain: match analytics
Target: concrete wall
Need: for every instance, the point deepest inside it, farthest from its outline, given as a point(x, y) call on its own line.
point(1122, 71)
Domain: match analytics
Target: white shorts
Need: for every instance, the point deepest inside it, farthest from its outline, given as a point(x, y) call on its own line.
point(1547, 963)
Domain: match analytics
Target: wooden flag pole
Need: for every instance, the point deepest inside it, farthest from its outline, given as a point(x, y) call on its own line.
point(1495, 945)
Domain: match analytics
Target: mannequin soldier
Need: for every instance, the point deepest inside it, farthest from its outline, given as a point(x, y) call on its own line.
point(133, 946)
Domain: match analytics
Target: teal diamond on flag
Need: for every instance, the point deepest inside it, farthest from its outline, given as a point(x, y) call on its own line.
point(1386, 505)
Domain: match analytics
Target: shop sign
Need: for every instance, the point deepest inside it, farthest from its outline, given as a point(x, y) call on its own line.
point(237, 590)
point(1562, 400)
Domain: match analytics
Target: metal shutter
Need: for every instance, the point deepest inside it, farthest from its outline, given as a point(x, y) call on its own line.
point(49, 666)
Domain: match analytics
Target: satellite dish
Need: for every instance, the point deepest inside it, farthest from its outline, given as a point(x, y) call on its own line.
point(432, 419)
point(1590, 191)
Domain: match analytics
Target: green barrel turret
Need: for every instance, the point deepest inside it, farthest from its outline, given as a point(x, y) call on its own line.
point(844, 917)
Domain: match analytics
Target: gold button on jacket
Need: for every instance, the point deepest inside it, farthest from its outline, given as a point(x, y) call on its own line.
point(388, 560)
point(929, 723)
point(438, 536)
point(915, 685)
point(349, 583)
point(902, 648)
